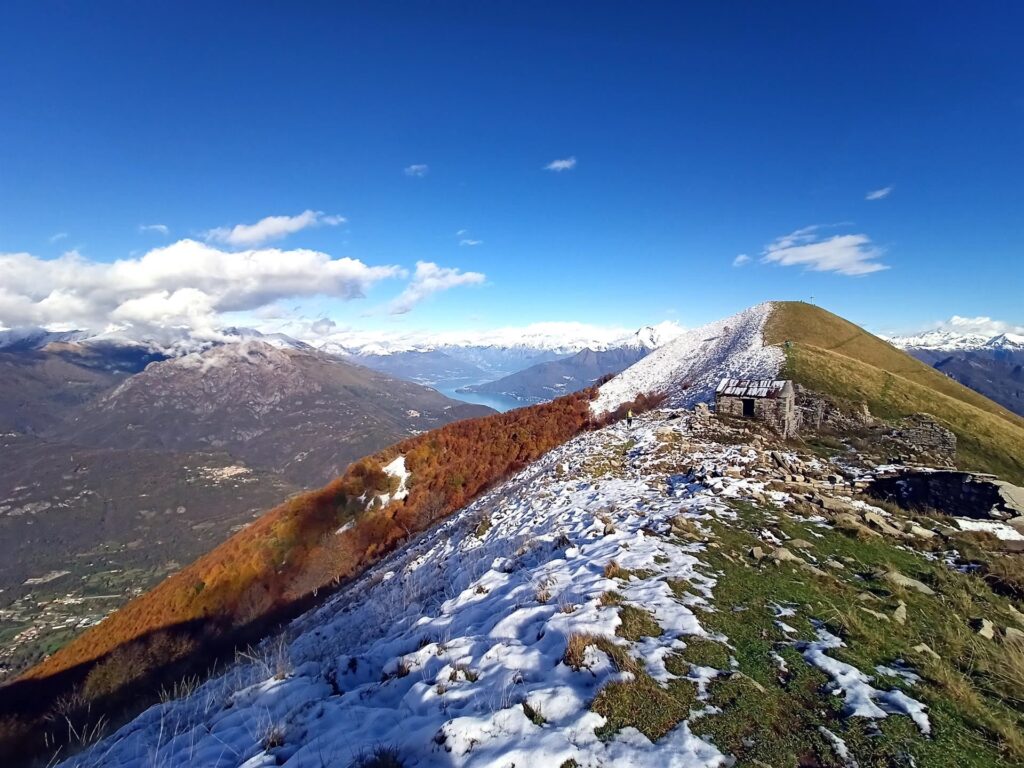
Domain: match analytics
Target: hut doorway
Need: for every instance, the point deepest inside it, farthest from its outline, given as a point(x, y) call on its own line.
point(748, 407)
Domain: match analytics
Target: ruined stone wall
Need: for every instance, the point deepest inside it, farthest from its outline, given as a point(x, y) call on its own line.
point(953, 493)
point(821, 413)
point(921, 431)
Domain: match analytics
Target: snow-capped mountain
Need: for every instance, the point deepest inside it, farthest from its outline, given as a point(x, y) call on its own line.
point(948, 341)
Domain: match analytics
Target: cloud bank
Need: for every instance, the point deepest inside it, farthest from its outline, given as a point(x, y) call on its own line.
point(185, 284)
point(429, 279)
point(981, 325)
point(878, 194)
point(852, 255)
point(270, 228)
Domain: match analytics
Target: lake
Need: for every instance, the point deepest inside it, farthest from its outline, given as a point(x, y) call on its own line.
point(497, 402)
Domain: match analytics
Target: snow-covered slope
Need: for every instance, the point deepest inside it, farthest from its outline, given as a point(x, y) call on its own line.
point(687, 368)
point(453, 652)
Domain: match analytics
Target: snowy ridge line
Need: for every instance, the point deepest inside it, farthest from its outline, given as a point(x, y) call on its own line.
point(687, 369)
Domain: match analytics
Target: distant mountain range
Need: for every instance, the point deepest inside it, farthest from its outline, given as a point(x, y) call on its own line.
point(553, 378)
point(991, 365)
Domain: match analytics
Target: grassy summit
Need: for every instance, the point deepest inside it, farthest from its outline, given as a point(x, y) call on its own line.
point(836, 357)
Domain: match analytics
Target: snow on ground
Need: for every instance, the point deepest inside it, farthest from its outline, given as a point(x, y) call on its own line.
point(444, 649)
point(397, 470)
point(996, 528)
point(688, 368)
point(862, 699)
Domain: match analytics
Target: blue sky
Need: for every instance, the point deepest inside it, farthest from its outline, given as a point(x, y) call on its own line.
point(699, 133)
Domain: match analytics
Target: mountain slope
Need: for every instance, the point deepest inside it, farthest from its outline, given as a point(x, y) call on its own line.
point(655, 597)
point(558, 377)
point(998, 374)
point(836, 357)
point(300, 413)
point(552, 378)
point(274, 568)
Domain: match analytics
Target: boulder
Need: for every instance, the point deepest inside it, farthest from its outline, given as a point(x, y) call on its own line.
point(900, 614)
point(876, 614)
point(984, 628)
point(878, 522)
point(925, 650)
point(922, 533)
point(800, 544)
point(900, 580)
point(1013, 635)
point(756, 553)
point(834, 505)
point(783, 555)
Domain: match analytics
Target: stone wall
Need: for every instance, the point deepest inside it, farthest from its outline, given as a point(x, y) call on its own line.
point(924, 433)
point(777, 412)
point(819, 412)
point(963, 494)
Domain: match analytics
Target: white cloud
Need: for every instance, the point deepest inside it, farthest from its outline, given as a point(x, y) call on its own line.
point(566, 164)
point(845, 254)
point(270, 228)
point(982, 325)
point(161, 229)
point(428, 279)
point(469, 241)
point(58, 236)
point(184, 284)
point(740, 260)
point(323, 326)
point(462, 232)
point(417, 170)
point(878, 194)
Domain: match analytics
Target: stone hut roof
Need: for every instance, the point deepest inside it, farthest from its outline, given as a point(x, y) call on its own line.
point(752, 387)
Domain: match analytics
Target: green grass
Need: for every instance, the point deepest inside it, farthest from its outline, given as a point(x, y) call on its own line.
point(636, 623)
point(972, 696)
point(835, 357)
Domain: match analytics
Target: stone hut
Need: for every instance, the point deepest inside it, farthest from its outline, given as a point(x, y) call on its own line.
point(772, 401)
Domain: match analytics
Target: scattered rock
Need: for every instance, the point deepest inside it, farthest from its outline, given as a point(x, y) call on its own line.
point(1013, 635)
point(925, 650)
point(756, 553)
point(747, 678)
point(876, 614)
point(897, 578)
point(922, 533)
point(984, 628)
point(783, 555)
point(1017, 615)
point(800, 544)
point(847, 521)
point(875, 520)
point(867, 597)
point(900, 614)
